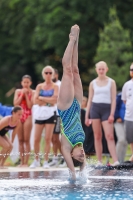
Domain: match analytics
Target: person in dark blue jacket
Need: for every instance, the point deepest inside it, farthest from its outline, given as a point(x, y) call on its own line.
point(121, 145)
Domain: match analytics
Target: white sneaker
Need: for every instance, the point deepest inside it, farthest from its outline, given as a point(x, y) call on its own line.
point(54, 162)
point(99, 164)
point(45, 164)
point(63, 164)
point(115, 163)
point(36, 163)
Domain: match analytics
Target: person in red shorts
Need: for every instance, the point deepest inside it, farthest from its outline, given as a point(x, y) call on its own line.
point(24, 98)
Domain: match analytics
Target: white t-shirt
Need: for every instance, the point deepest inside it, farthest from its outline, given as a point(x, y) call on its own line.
point(58, 83)
point(127, 95)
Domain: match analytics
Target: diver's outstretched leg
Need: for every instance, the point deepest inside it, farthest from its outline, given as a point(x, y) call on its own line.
point(78, 90)
point(66, 94)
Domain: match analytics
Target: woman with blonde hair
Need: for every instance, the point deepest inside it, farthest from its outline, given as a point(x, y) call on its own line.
point(100, 111)
point(44, 110)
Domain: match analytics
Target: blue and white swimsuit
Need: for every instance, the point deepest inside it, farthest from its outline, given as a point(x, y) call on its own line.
point(71, 126)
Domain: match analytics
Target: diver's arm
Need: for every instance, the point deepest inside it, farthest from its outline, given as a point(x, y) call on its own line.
point(66, 151)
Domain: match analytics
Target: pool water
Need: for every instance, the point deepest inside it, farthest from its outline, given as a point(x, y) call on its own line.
point(54, 185)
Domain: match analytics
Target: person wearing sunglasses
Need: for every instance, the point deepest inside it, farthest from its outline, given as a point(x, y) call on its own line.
point(44, 111)
point(56, 160)
point(127, 97)
point(69, 105)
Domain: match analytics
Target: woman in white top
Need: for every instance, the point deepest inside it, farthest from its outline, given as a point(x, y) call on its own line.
point(127, 97)
point(100, 110)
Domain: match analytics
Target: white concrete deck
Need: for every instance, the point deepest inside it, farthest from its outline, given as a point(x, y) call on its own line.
point(28, 169)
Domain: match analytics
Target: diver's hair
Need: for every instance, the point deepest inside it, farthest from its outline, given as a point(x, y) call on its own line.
point(48, 67)
point(16, 109)
point(101, 62)
point(26, 76)
point(77, 163)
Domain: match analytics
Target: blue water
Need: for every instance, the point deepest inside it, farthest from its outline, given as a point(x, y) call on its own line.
point(54, 185)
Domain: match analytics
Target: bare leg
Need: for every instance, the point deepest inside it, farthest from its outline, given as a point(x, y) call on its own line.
point(27, 132)
point(56, 144)
point(7, 148)
point(21, 143)
point(96, 124)
point(37, 139)
point(49, 128)
point(109, 135)
point(78, 90)
point(66, 94)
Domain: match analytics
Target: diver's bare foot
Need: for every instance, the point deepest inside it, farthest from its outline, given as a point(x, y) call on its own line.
point(77, 37)
point(74, 32)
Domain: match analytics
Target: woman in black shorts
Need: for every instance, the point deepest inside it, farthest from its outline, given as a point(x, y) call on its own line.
point(44, 111)
point(100, 110)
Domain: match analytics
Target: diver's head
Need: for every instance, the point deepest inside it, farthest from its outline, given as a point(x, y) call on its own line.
point(78, 155)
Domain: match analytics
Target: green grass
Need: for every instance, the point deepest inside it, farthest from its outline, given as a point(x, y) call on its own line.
point(10, 163)
point(92, 159)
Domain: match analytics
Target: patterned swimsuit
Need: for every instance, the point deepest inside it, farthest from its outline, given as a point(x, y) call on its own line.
point(71, 124)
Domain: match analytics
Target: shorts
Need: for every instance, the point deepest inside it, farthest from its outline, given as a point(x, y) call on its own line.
point(51, 120)
point(57, 128)
point(128, 125)
point(100, 111)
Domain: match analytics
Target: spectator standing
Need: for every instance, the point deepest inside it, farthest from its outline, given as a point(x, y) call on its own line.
point(56, 133)
point(100, 111)
point(24, 98)
point(127, 97)
point(44, 110)
point(121, 145)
